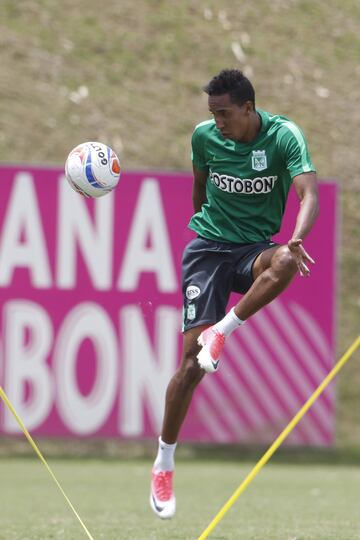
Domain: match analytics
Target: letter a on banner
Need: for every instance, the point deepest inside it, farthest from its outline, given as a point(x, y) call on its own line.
point(148, 222)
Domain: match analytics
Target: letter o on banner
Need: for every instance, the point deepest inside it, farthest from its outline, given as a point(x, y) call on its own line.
point(84, 415)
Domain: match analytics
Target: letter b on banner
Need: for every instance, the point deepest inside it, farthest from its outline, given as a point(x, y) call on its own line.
point(28, 338)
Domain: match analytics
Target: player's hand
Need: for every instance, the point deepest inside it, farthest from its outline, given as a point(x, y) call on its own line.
point(302, 258)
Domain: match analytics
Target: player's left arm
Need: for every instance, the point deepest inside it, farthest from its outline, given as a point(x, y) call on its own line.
point(307, 190)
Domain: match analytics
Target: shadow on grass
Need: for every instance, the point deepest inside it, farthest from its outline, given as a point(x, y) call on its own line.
point(112, 449)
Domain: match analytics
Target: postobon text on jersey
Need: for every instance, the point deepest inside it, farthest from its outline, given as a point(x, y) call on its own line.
point(231, 184)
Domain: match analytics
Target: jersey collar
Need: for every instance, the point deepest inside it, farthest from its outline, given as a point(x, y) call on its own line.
point(264, 120)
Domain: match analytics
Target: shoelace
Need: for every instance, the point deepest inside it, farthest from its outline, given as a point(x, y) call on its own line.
point(217, 343)
point(163, 485)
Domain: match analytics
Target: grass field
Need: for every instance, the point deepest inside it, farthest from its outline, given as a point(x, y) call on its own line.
point(285, 502)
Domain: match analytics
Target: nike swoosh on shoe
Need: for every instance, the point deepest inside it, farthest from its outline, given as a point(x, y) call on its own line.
point(158, 508)
point(215, 364)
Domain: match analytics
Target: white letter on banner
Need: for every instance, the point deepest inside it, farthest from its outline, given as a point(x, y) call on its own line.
point(28, 336)
point(23, 219)
point(95, 241)
point(148, 223)
point(146, 372)
point(85, 414)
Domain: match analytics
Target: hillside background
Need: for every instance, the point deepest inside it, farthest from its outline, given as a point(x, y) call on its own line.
point(130, 74)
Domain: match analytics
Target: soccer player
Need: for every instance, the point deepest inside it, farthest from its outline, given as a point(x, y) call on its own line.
point(244, 162)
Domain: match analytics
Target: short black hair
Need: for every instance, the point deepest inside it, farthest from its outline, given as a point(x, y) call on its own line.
point(234, 83)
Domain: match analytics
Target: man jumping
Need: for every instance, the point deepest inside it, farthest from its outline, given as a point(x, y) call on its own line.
point(244, 163)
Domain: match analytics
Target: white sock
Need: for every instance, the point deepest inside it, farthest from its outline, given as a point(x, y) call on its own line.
point(165, 457)
point(229, 323)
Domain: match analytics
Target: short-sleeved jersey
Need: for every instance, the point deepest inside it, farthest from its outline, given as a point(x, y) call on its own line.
point(248, 183)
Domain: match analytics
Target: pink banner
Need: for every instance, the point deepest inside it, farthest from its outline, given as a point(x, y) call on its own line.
point(91, 317)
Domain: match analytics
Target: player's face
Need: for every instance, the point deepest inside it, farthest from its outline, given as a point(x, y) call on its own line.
point(231, 119)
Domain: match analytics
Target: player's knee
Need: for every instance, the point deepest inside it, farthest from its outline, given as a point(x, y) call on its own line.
point(191, 372)
point(284, 261)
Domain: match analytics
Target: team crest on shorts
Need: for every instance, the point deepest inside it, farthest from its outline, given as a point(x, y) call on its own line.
point(258, 160)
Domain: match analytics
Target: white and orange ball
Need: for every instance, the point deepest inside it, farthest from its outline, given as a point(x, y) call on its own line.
point(92, 169)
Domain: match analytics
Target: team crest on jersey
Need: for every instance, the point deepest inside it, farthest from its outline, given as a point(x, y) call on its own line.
point(258, 160)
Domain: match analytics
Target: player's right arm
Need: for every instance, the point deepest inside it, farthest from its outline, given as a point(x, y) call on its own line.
point(199, 189)
point(200, 167)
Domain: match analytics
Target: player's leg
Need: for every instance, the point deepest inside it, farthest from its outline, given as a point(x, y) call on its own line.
point(272, 271)
point(178, 398)
point(263, 273)
point(206, 293)
point(181, 386)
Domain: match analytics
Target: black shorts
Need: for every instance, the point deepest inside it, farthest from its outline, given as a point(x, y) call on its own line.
point(210, 272)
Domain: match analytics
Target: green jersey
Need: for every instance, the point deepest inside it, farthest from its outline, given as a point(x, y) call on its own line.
point(248, 183)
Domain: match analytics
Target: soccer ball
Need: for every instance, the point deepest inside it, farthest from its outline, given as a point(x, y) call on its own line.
point(92, 169)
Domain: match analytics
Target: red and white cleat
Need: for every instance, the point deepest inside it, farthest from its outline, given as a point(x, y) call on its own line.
point(162, 498)
point(212, 342)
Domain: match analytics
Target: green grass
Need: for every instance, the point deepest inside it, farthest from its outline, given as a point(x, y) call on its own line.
point(284, 502)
